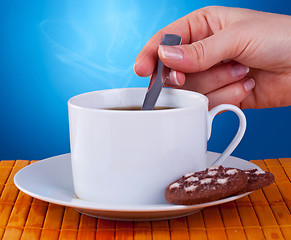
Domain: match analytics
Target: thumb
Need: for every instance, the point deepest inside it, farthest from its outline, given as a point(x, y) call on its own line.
point(200, 55)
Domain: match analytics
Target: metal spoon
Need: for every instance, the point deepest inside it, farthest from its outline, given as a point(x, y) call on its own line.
point(160, 74)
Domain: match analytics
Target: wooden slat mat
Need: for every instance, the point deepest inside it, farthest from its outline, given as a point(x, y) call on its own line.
point(264, 214)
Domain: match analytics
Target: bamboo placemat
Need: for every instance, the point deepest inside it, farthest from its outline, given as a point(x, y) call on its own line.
point(264, 214)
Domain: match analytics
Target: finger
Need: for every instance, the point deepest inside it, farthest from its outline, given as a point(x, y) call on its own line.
point(215, 77)
point(234, 93)
point(175, 79)
point(203, 54)
point(192, 27)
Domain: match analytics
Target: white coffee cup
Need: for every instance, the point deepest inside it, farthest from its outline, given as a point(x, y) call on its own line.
point(129, 157)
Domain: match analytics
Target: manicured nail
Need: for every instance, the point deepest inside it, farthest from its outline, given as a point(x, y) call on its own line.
point(249, 84)
point(238, 69)
point(173, 78)
point(169, 52)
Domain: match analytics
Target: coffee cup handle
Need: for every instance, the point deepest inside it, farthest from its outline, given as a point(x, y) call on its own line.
point(239, 135)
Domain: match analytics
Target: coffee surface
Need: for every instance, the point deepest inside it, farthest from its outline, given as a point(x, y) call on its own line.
point(138, 108)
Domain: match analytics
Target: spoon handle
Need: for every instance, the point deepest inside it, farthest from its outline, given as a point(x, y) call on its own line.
point(160, 74)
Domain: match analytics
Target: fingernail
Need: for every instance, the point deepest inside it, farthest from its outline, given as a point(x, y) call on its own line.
point(238, 69)
point(249, 84)
point(134, 69)
point(169, 52)
point(173, 78)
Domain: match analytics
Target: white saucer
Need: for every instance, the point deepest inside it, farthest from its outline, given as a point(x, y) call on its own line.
point(51, 180)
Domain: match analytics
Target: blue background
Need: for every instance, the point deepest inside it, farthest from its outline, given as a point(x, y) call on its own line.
point(52, 50)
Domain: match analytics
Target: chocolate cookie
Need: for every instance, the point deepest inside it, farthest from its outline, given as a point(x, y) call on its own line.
point(205, 186)
point(257, 179)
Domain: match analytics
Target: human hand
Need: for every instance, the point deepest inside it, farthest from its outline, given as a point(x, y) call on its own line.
point(258, 45)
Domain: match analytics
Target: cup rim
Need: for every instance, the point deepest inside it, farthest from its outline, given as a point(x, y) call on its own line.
point(74, 105)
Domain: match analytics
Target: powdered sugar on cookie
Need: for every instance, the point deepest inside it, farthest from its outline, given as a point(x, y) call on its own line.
point(190, 188)
point(231, 171)
point(212, 173)
point(206, 180)
point(222, 180)
point(192, 179)
point(175, 185)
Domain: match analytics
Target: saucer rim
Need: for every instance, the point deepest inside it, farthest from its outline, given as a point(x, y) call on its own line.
point(104, 207)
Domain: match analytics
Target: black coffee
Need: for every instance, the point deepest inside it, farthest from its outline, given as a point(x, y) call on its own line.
point(137, 108)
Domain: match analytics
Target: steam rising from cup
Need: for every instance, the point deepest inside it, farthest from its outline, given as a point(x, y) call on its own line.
point(100, 41)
